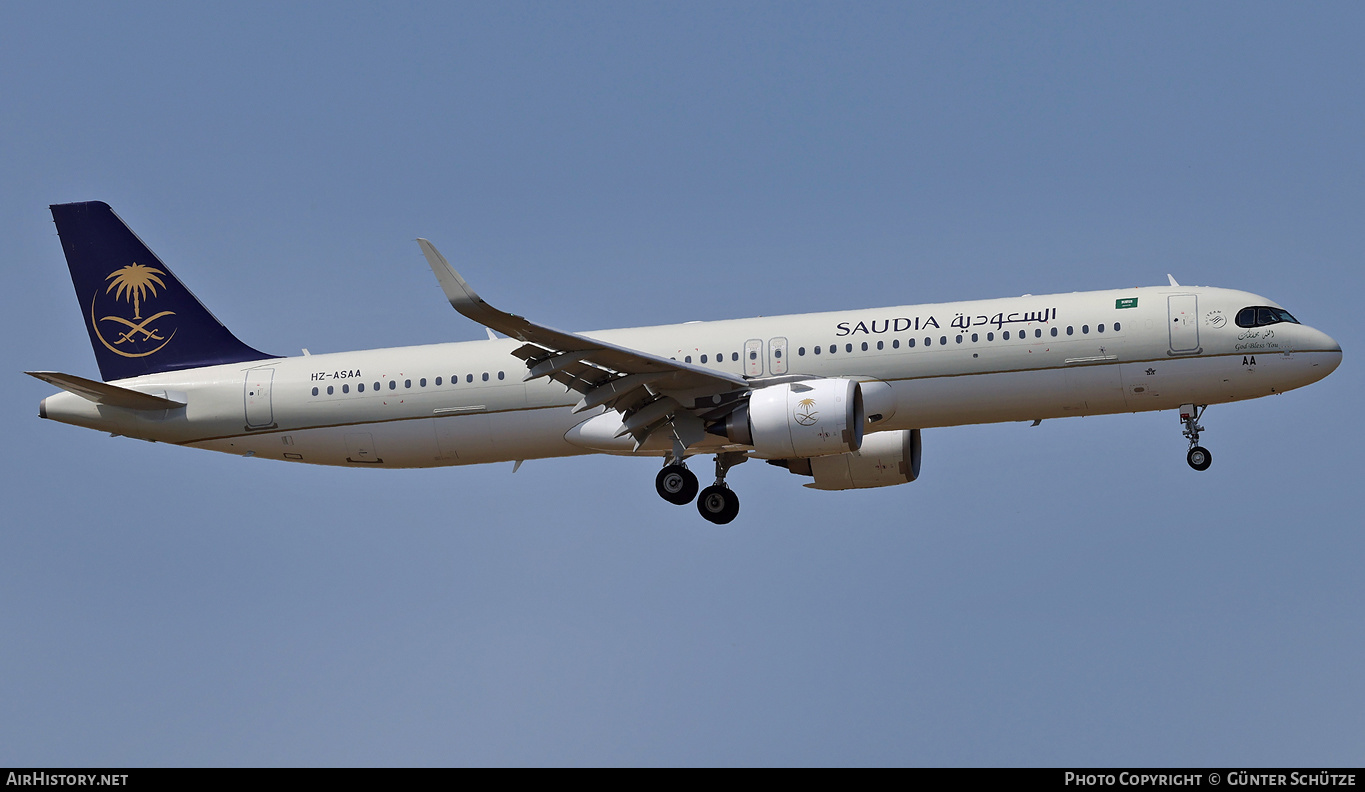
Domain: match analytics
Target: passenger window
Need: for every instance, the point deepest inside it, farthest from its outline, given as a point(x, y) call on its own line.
point(1005, 335)
point(501, 375)
point(880, 345)
point(990, 336)
point(315, 391)
point(975, 337)
point(864, 346)
point(1100, 328)
point(943, 340)
point(485, 376)
point(833, 348)
point(817, 350)
point(329, 390)
point(1085, 329)
point(1117, 326)
point(360, 388)
point(469, 378)
point(928, 341)
point(376, 386)
point(703, 358)
point(1054, 332)
point(800, 351)
point(422, 382)
point(407, 384)
point(393, 385)
point(734, 357)
point(896, 343)
point(1070, 330)
point(959, 338)
point(345, 388)
point(849, 347)
point(438, 382)
point(1038, 333)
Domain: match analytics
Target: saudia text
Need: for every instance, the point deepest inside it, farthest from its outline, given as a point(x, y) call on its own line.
point(901, 324)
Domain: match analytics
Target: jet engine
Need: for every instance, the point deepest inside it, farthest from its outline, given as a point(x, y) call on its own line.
point(886, 458)
point(810, 418)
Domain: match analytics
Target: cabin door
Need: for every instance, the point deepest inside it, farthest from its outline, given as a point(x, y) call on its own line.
point(256, 393)
point(1184, 323)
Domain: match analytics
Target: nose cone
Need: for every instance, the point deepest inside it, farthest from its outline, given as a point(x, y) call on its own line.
point(1325, 351)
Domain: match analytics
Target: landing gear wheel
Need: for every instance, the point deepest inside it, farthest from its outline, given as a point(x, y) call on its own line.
point(676, 484)
point(1199, 458)
point(718, 504)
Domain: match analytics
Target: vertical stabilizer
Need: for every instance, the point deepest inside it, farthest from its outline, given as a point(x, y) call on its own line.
point(141, 318)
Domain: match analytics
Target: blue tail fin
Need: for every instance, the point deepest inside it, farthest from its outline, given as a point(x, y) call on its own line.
point(141, 318)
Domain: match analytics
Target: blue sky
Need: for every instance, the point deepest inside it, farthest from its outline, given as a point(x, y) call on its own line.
point(1070, 594)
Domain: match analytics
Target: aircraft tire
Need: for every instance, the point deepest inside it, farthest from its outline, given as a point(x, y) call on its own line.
point(718, 504)
point(1199, 458)
point(676, 484)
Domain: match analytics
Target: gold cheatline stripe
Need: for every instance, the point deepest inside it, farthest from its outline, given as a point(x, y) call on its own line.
point(365, 423)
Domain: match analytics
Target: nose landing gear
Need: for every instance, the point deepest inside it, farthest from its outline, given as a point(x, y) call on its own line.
point(1198, 456)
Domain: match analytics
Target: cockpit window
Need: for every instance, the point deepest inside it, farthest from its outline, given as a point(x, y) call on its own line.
point(1260, 316)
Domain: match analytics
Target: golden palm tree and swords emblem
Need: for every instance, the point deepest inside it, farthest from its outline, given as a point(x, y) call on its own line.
point(805, 412)
point(133, 283)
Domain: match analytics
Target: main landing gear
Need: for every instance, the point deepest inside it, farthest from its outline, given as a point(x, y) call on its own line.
point(676, 484)
point(1198, 456)
point(717, 503)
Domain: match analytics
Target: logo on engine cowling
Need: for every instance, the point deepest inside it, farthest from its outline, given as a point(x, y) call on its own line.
point(805, 412)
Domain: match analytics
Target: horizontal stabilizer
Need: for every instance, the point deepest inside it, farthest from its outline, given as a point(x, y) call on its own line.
point(103, 393)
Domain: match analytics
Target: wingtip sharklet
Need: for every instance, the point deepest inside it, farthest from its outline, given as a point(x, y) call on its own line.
point(456, 288)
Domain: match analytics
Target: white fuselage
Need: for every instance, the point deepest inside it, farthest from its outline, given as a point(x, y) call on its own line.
point(1011, 359)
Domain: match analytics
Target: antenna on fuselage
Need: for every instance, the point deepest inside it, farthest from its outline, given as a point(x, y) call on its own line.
point(1171, 278)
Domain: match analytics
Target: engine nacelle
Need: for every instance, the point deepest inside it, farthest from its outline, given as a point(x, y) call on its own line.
point(810, 418)
point(886, 458)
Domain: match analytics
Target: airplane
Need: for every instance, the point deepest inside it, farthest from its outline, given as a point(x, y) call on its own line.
point(839, 397)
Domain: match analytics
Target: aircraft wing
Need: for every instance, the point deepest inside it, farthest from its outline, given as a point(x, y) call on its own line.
point(650, 391)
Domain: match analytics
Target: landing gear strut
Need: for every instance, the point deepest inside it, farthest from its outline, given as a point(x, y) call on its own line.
point(718, 503)
point(1198, 456)
point(676, 484)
